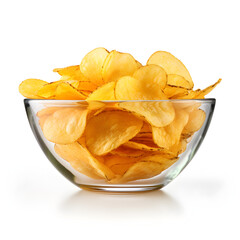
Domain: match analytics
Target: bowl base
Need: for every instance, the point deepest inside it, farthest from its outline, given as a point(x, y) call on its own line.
point(118, 189)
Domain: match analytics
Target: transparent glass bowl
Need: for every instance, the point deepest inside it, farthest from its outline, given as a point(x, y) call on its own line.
point(156, 180)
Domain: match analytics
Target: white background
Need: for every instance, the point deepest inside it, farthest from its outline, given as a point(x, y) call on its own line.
point(37, 202)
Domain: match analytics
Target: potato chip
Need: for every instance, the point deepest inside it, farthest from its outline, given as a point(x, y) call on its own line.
point(195, 121)
point(119, 164)
point(173, 92)
point(73, 154)
point(86, 86)
point(48, 90)
point(170, 64)
point(30, 87)
point(179, 147)
point(65, 91)
point(200, 94)
point(144, 85)
point(108, 130)
point(67, 71)
point(139, 170)
point(124, 151)
point(151, 74)
point(117, 65)
point(111, 160)
point(207, 90)
point(65, 125)
point(168, 136)
point(141, 146)
point(92, 63)
point(158, 114)
point(105, 92)
point(47, 111)
point(121, 168)
point(81, 160)
point(178, 81)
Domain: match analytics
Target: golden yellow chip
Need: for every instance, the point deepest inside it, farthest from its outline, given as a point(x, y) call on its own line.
point(144, 85)
point(65, 125)
point(111, 160)
point(173, 92)
point(67, 71)
point(179, 147)
point(105, 92)
point(30, 87)
point(158, 114)
point(48, 90)
point(48, 111)
point(195, 121)
point(140, 170)
point(178, 81)
point(124, 151)
point(207, 90)
point(117, 65)
point(168, 136)
point(92, 63)
point(120, 169)
point(200, 94)
point(86, 86)
point(151, 74)
point(81, 160)
point(108, 130)
point(170, 64)
point(73, 154)
point(65, 91)
point(141, 146)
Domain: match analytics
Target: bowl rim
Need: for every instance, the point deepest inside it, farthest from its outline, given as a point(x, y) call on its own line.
point(205, 100)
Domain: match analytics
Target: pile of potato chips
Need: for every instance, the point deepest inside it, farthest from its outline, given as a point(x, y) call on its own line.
point(130, 136)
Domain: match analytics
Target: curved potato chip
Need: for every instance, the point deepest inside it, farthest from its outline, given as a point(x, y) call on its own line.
point(105, 92)
point(108, 130)
point(169, 135)
point(178, 81)
point(123, 151)
point(65, 125)
point(179, 147)
point(121, 168)
point(170, 64)
point(146, 128)
point(67, 71)
point(65, 91)
point(92, 63)
point(111, 160)
point(195, 121)
point(117, 65)
point(141, 88)
point(207, 90)
point(47, 111)
point(86, 86)
point(158, 114)
point(151, 74)
point(140, 170)
point(173, 92)
point(73, 154)
point(30, 87)
point(141, 146)
point(48, 90)
point(81, 160)
point(192, 94)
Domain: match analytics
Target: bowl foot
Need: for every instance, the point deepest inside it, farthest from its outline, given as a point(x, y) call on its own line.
point(118, 189)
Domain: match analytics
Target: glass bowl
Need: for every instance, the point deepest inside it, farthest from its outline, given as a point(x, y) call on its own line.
point(152, 157)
